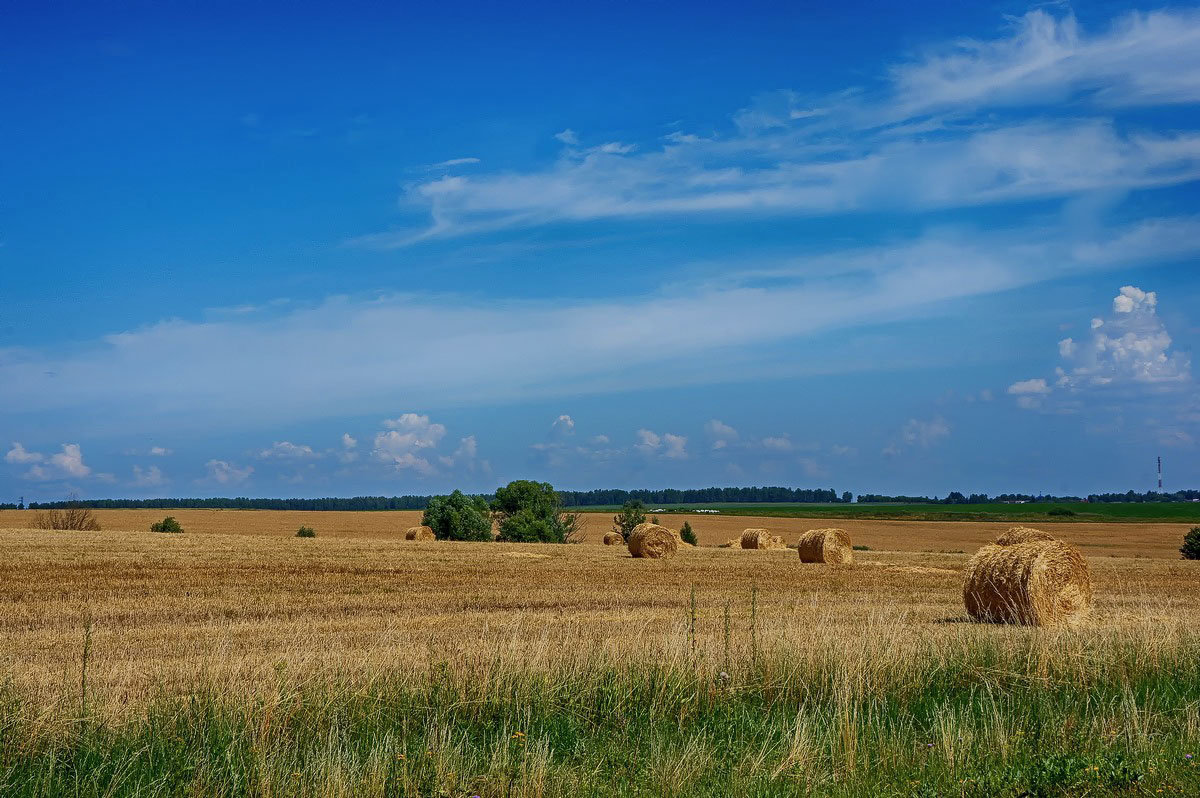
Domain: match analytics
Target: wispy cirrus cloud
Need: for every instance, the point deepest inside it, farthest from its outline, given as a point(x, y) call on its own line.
point(927, 138)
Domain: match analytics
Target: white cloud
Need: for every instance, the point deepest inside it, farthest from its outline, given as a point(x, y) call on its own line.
point(925, 433)
point(720, 433)
point(411, 444)
point(563, 426)
point(19, 454)
point(647, 442)
point(286, 450)
point(159, 451)
point(250, 368)
point(226, 473)
point(811, 467)
point(667, 445)
point(148, 477)
point(70, 461)
point(674, 446)
point(454, 162)
point(843, 451)
point(779, 443)
point(600, 440)
point(1034, 386)
point(1143, 59)
point(1132, 346)
point(936, 136)
point(348, 442)
point(65, 464)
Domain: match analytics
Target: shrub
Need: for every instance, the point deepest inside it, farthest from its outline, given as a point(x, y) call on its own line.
point(79, 519)
point(861, 548)
point(168, 524)
point(458, 517)
point(306, 532)
point(532, 512)
point(1061, 511)
point(1191, 544)
point(633, 512)
point(686, 534)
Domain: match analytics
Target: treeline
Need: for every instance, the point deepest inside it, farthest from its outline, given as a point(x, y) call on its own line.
point(591, 498)
point(570, 498)
point(1008, 498)
point(1148, 496)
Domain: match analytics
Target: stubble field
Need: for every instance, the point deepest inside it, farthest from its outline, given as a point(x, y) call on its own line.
point(358, 663)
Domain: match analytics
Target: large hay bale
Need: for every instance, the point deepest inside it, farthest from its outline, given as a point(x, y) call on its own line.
point(1023, 534)
point(761, 539)
point(652, 541)
point(613, 538)
point(825, 545)
point(419, 533)
point(1040, 583)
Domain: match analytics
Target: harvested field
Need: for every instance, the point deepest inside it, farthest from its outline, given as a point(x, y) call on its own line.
point(1123, 539)
point(342, 664)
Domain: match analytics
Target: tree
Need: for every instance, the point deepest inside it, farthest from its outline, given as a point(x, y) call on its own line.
point(847, 497)
point(686, 534)
point(633, 512)
point(1191, 544)
point(306, 532)
point(532, 512)
point(168, 524)
point(458, 517)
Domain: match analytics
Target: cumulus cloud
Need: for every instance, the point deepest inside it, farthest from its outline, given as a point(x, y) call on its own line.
point(925, 433)
point(19, 454)
point(1125, 357)
point(159, 451)
point(563, 426)
point(348, 442)
point(64, 464)
point(286, 450)
point(667, 444)
point(225, 473)
point(720, 433)
point(410, 444)
point(778, 443)
point(148, 477)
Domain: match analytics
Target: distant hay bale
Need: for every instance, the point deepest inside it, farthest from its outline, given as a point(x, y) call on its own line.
point(761, 539)
point(419, 533)
point(826, 545)
point(613, 538)
point(1040, 583)
point(652, 541)
point(1023, 534)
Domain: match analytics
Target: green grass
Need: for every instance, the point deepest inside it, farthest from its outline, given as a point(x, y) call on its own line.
point(1181, 512)
point(979, 717)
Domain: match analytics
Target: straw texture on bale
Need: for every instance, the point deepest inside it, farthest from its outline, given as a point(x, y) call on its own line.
point(652, 541)
point(1023, 534)
point(419, 533)
point(826, 545)
point(613, 538)
point(1040, 583)
point(761, 539)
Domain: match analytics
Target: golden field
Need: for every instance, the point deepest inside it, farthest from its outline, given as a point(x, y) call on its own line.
point(238, 597)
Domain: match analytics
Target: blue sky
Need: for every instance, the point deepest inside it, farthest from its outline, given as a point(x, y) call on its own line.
point(371, 249)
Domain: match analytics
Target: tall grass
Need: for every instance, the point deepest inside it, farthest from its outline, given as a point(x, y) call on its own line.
point(979, 711)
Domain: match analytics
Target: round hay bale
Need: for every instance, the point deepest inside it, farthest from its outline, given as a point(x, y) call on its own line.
point(761, 539)
point(652, 541)
point(825, 545)
point(419, 533)
point(1023, 534)
point(613, 538)
point(1040, 583)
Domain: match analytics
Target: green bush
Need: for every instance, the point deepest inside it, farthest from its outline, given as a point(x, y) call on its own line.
point(532, 512)
point(306, 532)
point(1191, 544)
point(861, 548)
point(686, 534)
point(168, 524)
point(458, 517)
point(633, 512)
